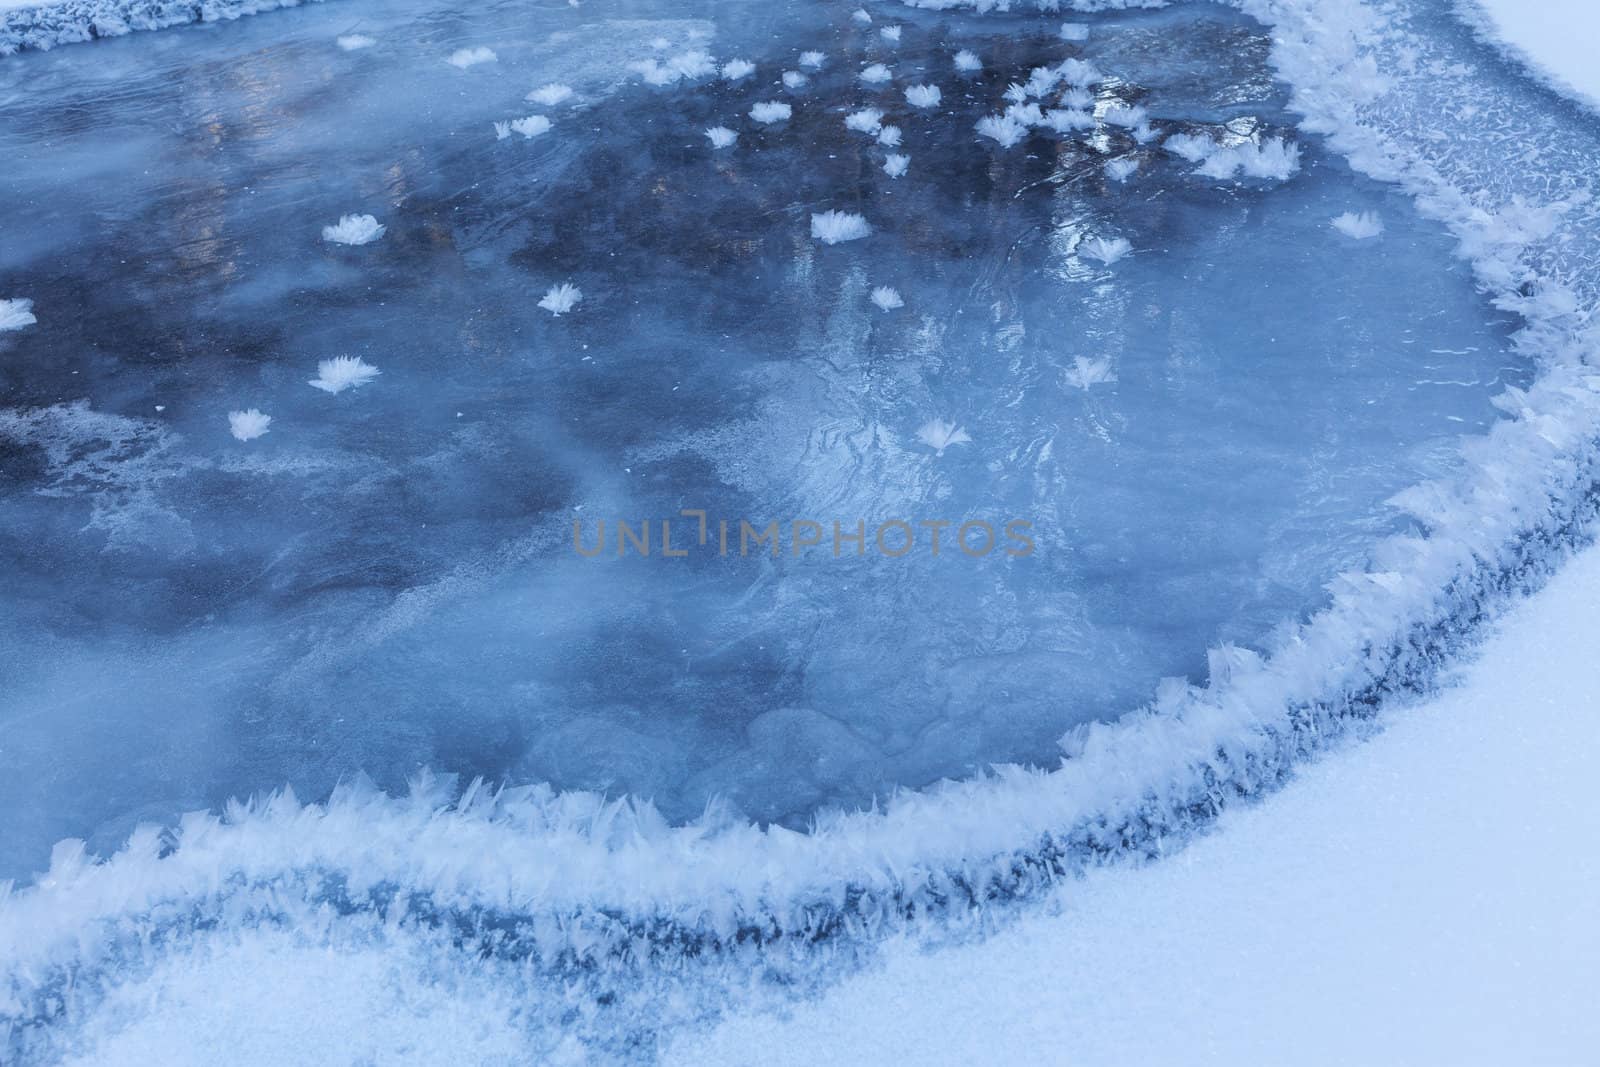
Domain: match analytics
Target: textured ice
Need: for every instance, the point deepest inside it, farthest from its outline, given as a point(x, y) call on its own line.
point(393, 583)
point(16, 313)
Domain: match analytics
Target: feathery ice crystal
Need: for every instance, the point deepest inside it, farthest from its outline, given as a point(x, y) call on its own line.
point(861, 16)
point(891, 34)
point(1066, 120)
point(471, 57)
point(1003, 128)
point(793, 79)
point(1107, 250)
point(734, 69)
point(692, 65)
point(894, 165)
point(1273, 159)
point(550, 95)
point(1077, 72)
point(1087, 372)
point(1190, 146)
point(1362, 227)
point(771, 111)
point(1078, 98)
point(968, 61)
point(351, 42)
point(889, 136)
point(887, 298)
point(336, 375)
point(248, 425)
point(940, 435)
point(869, 120)
point(832, 227)
point(561, 298)
point(923, 95)
point(812, 59)
point(15, 314)
point(1120, 170)
point(875, 74)
point(532, 126)
point(1125, 116)
point(353, 230)
point(1074, 31)
point(721, 136)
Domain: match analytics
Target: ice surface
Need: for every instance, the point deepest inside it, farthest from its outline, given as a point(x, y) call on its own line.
point(390, 580)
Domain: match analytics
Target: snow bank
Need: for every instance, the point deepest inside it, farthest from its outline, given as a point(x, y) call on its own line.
point(1554, 39)
point(53, 22)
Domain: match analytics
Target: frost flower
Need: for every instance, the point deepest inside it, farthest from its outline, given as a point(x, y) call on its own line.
point(868, 120)
point(248, 425)
point(793, 79)
point(891, 34)
point(875, 74)
point(734, 69)
point(968, 61)
point(889, 136)
point(550, 95)
point(532, 126)
point(1004, 129)
point(1087, 372)
point(721, 136)
point(923, 95)
point(887, 298)
point(771, 111)
point(1120, 170)
point(561, 298)
point(1361, 227)
point(353, 230)
point(940, 435)
point(1107, 251)
point(471, 57)
point(15, 314)
point(811, 59)
point(336, 375)
point(352, 42)
point(895, 165)
point(832, 227)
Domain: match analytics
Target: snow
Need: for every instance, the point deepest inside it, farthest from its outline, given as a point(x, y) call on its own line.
point(1419, 898)
point(1556, 37)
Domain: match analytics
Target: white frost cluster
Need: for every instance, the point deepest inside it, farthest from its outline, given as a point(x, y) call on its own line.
point(887, 298)
point(530, 127)
point(248, 425)
point(1107, 250)
point(562, 298)
point(352, 42)
point(875, 74)
point(894, 165)
point(336, 375)
point(1190, 146)
point(891, 34)
point(940, 435)
point(1078, 98)
point(1087, 372)
point(1125, 116)
point(353, 230)
point(689, 66)
point(721, 136)
point(968, 61)
point(861, 16)
point(1079, 73)
point(15, 314)
point(812, 59)
point(734, 69)
point(1074, 31)
point(550, 95)
point(793, 79)
point(1004, 129)
point(889, 137)
point(1067, 120)
point(923, 95)
point(771, 111)
point(869, 120)
point(1361, 227)
point(832, 227)
point(1120, 170)
point(471, 57)
point(1273, 159)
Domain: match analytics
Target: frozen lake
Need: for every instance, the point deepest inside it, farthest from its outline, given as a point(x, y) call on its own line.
point(1199, 435)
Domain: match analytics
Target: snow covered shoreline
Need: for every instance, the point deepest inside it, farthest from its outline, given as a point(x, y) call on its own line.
point(48, 23)
point(1552, 40)
point(612, 875)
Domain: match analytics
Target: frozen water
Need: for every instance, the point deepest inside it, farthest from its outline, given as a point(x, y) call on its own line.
point(1201, 436)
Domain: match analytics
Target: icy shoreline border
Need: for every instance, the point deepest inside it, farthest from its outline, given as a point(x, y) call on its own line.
point(1482, 23)
point(58, 22)
point(589, 883)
